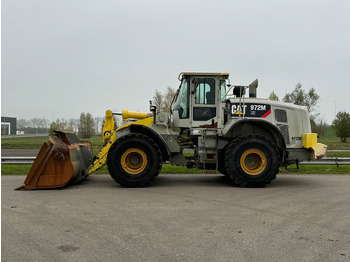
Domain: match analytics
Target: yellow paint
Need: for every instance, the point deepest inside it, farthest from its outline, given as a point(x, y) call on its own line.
point(109, 127)
point(318, 150)
point(253, 162)
point(101, 157)
point(205, 74)
point(309, 140)
point(132, 114)
point(134, 161)
point(143, 122)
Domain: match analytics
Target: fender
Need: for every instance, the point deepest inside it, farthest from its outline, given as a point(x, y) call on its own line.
point(153, 135)
point(252, 125)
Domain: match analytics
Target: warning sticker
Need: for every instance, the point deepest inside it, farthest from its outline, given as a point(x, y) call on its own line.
point(250, 110)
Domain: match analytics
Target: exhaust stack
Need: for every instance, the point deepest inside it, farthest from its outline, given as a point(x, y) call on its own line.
point(252, 88)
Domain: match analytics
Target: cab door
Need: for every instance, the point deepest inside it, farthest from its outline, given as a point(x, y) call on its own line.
point(204, 93)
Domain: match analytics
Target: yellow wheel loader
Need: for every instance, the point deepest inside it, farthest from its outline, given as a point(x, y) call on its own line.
point(213, 125)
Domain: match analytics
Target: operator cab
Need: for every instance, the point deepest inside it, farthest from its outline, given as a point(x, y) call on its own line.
point(199, 99)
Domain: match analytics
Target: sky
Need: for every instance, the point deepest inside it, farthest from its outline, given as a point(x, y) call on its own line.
point(63, 57)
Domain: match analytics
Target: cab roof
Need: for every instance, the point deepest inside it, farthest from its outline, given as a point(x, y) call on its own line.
point(226, 75)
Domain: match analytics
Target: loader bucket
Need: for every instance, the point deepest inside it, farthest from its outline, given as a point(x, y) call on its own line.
point(60, 162)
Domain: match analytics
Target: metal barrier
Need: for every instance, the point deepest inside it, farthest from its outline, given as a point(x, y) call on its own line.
point(329, 161)
point(29, 160)
point(17, 160)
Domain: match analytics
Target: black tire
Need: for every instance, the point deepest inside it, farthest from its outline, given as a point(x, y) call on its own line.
point(251, 161)
point(134, 160)
point(222, 171)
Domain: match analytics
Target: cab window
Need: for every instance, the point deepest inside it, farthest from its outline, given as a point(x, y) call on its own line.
point(205, 91)
point(182, 100)
point(223, 90)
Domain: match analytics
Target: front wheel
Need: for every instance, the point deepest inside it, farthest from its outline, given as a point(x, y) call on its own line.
point(251, 161)
point(134, 160)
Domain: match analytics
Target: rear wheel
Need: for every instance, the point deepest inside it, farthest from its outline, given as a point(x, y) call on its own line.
point(134, 160)
point(251, 161)
point(222, 171)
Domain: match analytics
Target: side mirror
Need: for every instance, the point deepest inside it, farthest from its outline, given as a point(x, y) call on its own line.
point(239, 91)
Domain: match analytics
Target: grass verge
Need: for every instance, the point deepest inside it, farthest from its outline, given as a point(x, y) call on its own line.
point(338, 154)
point(316, 169)
point(19, 142)
point(35, 142)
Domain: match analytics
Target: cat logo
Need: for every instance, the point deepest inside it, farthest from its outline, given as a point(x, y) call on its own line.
point(250, 110)
point(238, 110)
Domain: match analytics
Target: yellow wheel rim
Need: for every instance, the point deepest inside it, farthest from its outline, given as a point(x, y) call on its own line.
point(253, 162)
point(134, 161)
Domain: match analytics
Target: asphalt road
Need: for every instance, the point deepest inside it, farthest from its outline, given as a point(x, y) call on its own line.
point(179, 218)
point(19, 152)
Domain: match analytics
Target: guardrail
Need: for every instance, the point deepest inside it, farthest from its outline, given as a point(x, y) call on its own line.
point(28, 160)
point(329, 161)
point(17, 160)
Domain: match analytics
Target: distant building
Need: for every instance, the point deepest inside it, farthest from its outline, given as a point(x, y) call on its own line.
point(8, 125)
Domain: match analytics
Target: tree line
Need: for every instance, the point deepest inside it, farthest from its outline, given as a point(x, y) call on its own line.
point(163, 100)
point(85, 126)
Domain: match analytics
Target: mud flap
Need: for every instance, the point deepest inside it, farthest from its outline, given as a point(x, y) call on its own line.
point(60, 162)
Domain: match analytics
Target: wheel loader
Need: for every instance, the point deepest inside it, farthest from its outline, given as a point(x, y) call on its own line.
point(213, 125)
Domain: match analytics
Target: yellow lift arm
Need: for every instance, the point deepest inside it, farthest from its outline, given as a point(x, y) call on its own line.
point(109, 134)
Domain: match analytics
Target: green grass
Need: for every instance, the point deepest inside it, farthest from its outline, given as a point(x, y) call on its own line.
point(15, 169)
point(96, 142)
point(316, 169)
point(23, 142)
point(338, 154)
point(332, 141)
point(334, 144)
point(35, 142)
point(169, 169)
